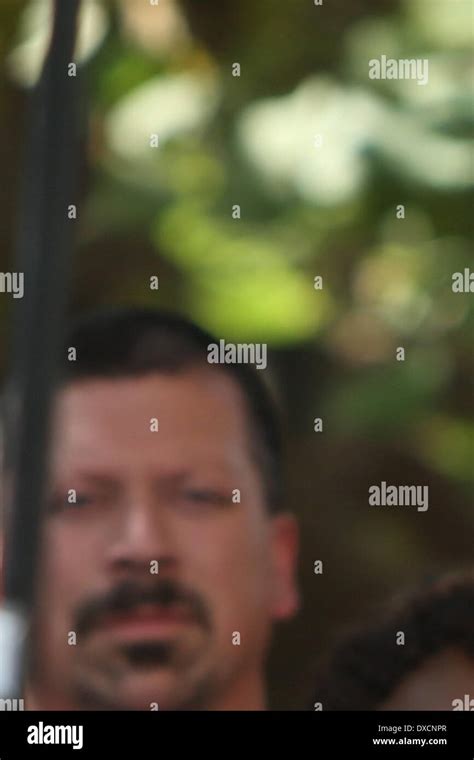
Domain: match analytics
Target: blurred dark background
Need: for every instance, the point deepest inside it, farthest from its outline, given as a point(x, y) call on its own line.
point(305, 211)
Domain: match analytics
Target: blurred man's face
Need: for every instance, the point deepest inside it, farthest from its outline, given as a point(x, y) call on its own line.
point(442, 682)
point(157, 571)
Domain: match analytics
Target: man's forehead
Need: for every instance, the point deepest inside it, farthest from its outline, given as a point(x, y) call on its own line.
point(191, 389)
point(199, 405)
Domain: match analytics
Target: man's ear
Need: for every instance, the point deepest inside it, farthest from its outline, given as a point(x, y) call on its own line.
point(284, 549)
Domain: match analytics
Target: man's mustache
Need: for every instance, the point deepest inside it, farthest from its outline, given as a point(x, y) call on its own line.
point(129, 594)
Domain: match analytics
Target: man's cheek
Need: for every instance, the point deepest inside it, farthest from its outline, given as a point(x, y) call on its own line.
point(60, 585)
point(64, 558)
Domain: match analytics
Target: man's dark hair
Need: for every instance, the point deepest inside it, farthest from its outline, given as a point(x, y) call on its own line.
point(367, 666)
point(126, 342)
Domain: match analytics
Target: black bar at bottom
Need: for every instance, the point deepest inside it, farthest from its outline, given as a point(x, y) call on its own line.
point(148, 734)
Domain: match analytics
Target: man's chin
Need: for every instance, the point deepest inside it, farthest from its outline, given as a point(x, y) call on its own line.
point(157, 689)
point(144, 686)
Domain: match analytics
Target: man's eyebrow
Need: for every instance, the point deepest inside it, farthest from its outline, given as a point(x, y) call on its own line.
point(219, 468)
point(94, 477)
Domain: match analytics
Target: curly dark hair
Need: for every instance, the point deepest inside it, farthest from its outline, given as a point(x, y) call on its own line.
point(367, 664)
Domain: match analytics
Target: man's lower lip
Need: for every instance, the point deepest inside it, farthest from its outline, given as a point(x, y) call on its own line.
point(138, 626)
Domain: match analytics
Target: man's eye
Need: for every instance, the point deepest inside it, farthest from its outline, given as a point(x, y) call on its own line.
point(206, 496)
point(70, 502)
point(83, 500)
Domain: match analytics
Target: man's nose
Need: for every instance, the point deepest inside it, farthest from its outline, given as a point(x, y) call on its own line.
point(144, 536)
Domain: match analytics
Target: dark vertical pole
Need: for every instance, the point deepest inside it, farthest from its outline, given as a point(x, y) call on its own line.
point(45, 243)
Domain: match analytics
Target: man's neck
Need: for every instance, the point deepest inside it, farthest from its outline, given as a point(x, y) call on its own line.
point(249, 694)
